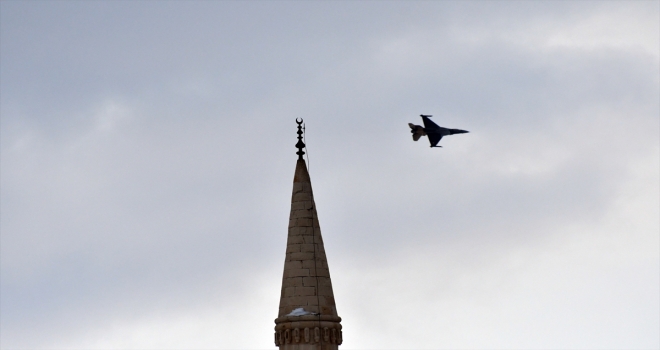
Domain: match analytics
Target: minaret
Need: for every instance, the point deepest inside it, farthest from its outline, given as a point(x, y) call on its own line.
point(307, 319)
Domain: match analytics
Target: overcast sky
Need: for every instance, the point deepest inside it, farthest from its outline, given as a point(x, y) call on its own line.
point(147, 159)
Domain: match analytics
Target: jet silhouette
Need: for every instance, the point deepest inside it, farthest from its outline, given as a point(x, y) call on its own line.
point(432, 130)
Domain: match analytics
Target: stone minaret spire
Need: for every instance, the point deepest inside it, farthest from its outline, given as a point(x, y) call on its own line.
point(307, 318)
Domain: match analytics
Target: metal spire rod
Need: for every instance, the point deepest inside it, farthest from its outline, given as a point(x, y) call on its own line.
point(300, 145)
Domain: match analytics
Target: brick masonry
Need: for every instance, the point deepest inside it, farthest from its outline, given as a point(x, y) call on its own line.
point(306, 279)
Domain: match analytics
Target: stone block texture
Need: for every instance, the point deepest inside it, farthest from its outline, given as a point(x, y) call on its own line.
point(306, 279)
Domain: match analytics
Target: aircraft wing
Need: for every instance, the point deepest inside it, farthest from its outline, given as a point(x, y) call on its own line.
point(434, 139)
point(428, 124)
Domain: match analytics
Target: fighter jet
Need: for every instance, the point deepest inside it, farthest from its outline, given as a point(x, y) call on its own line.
point(432, 130)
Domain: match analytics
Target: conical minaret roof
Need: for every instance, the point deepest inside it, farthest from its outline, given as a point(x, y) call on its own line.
point(307, 318)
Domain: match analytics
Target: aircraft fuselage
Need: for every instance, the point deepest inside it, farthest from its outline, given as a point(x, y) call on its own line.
point(432, 130)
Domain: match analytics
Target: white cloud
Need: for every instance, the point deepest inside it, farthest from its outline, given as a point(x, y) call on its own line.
point(626, 28)
point(110, 115)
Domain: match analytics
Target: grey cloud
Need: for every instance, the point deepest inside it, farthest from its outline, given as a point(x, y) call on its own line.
point(147, 159)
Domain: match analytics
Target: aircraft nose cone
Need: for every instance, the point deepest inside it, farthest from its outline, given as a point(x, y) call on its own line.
point(458, 131)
